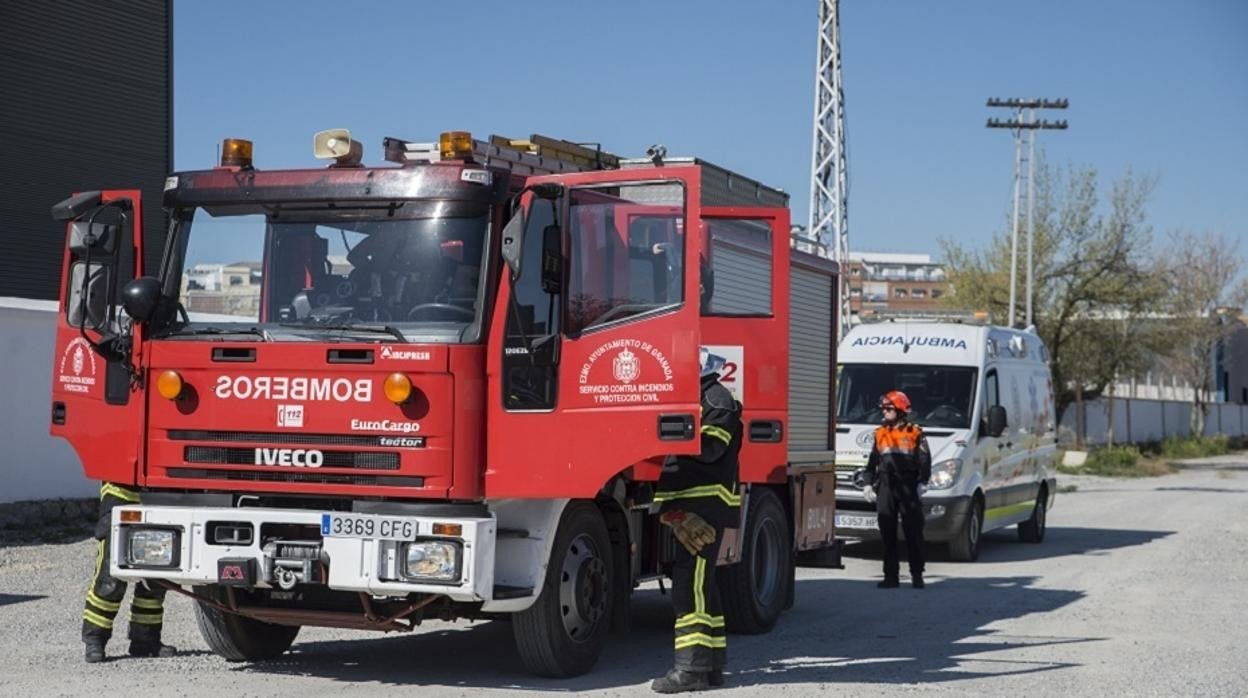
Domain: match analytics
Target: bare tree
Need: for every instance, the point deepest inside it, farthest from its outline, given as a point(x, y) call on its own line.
point(1093, 278)
point(1204, 301)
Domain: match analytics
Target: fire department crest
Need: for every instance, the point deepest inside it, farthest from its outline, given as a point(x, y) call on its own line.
point(626, 366)
point(78, 360)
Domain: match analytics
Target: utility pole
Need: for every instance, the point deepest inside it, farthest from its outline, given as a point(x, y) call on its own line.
point(1025, 121)
point(829, 185)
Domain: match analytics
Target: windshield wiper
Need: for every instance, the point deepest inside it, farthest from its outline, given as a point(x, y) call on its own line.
point(347, 327)
point(192, 331)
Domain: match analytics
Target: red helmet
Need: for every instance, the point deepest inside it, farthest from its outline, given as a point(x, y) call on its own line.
point(897, 399)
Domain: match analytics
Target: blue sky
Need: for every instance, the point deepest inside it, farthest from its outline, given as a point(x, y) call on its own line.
point(1159, 88)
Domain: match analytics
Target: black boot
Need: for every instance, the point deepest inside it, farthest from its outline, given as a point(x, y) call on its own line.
point(94, 652)
point(916, 579)
point(889, 583)
point(678, 681)
point(151, 649)
point(715, 678)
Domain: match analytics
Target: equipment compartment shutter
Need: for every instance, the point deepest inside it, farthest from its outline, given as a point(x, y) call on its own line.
point(810, 352)
point(742, 281)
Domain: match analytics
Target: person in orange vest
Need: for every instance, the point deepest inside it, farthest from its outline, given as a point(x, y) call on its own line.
point(899, 465)
point(104, 596)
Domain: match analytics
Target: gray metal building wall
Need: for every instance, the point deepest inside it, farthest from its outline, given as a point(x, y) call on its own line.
point(87, 103)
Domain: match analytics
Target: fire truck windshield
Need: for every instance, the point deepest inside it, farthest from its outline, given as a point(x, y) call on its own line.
point(411, 272)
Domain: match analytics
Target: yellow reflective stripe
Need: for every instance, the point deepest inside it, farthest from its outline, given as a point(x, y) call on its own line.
point(97, 620)
point(699, 619)
point(119, 492)
point(699, 579)
point(154, 604)
point(729, 497)
point(147, 618)
point(103, 605)
point(718, 433)
point(700, 640)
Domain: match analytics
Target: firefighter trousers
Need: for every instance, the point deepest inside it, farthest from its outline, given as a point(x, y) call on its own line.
point(901, 499)
point(105, 594)
point(701, 642)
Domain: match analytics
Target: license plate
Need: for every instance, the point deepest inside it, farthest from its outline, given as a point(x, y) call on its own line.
point(855, 521)
point(366, 526)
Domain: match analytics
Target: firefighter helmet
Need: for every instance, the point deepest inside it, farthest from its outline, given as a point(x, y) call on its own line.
point(897, 399)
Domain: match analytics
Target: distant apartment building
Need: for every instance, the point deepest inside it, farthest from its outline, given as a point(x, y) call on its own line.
point(889, 282)
point(223, 289)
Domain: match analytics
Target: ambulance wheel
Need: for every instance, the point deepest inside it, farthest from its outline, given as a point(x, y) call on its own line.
point(1032, 530)
point(236, 638)
point(756, 589)
point(964, 547)
point(564, 631)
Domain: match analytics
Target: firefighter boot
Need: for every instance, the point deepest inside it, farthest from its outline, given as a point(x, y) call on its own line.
point(680, 681)
point(94, 651)
point(889, 583)
point(715, 678)
point(151, 649)
point(916, 579)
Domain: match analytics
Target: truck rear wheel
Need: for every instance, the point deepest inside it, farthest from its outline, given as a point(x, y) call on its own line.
point(237, 638)
point(756, 589)
point(964, 546)
point(564, 631)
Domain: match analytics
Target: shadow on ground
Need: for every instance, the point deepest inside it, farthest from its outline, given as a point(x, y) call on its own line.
point(840, 631)
point(1004, 546)
point(10, 599)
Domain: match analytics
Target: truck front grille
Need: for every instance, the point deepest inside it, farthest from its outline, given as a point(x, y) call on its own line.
point(285, 475)
point(287, 437)
point(225, 455)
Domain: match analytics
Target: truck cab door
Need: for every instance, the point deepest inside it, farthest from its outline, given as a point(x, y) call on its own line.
point(96, 405)
point(593, 354)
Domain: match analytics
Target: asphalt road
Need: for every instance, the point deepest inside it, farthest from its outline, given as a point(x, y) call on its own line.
point(1141, 588)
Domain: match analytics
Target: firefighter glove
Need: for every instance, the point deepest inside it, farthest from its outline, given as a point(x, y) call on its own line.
point(693, 532)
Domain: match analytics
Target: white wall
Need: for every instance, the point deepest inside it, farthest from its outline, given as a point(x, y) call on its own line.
point(1139, 421)
point(33, 465)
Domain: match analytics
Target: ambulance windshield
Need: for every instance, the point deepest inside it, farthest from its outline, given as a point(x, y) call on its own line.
point(941, 396)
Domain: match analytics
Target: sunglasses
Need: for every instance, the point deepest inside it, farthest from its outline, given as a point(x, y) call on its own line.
point(888, 408)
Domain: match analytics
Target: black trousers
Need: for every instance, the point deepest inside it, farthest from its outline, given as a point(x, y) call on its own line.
point(701, 642)
point(104, 596)
point(899, 498)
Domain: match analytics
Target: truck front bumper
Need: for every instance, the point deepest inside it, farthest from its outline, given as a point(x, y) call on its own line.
point(293, 546)
point(942, 518)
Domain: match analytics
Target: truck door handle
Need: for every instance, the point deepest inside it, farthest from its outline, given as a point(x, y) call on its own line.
point(675, 427)
point(766, 430)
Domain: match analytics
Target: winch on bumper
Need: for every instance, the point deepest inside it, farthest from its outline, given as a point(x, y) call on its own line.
point(378, 554)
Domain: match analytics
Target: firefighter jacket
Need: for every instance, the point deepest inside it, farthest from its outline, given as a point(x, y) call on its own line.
point(900, 454)
point(706, 484)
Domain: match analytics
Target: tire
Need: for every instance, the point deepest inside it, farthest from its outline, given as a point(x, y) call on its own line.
point(964, 547)
point(756, 589)
point(563, 632)
point(1032, 530)
point(240, 639)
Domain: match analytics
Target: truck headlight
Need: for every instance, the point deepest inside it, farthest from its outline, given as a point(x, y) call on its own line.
point(944, 474)
point(151, 547)
point(432, 560)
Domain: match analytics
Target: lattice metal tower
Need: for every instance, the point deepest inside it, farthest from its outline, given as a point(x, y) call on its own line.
point(829, 189)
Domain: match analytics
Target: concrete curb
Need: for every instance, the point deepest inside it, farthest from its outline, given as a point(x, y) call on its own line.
point(1231, 461)
point(45, 512)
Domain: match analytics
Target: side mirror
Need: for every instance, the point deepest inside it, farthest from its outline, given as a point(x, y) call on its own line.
point(513, 239)
point(141, 297)
point(75, 206)
point(552, 259)
point(996, 421)
point(545, 350)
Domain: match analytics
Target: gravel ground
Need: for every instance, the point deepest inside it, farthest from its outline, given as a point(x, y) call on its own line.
point(1139, 589)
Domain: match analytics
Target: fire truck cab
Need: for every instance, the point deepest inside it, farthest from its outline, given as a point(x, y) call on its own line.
point(364, 396)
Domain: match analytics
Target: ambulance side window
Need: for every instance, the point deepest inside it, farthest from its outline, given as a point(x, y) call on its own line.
point(992, 396)
point(535, 315)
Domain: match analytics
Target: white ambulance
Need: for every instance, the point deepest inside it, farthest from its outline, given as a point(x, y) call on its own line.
point(984, 397)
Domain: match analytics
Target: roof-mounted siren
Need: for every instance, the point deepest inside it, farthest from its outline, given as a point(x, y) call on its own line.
point(336, 144)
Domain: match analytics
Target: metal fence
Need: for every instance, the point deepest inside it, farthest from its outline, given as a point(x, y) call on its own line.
point(1140, 421)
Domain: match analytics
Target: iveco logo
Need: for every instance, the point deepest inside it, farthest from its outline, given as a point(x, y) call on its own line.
point(292, 457)
point(866, 439)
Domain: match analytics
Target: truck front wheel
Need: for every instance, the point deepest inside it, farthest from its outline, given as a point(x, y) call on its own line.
point(756, 589)
point(564, 631)
point(237, 638)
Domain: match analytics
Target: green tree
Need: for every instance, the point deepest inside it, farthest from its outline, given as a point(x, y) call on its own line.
point(1094, 283)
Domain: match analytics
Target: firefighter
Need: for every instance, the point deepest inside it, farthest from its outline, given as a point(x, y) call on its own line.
point(697, 498)
point(899, 464)
point(105, 594)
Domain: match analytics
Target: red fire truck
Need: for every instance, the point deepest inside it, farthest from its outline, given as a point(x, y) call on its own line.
point(443, 387)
